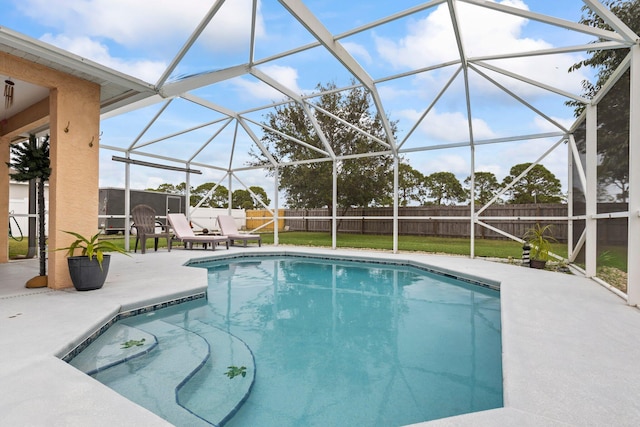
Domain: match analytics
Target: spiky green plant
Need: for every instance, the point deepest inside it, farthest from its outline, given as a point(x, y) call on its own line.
point(91, 247)
point(30, 160)
point(540, 239)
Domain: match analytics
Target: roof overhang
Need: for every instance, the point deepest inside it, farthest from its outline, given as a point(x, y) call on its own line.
point(116, 89)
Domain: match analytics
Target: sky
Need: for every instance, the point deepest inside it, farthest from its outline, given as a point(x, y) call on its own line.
point(142, 37)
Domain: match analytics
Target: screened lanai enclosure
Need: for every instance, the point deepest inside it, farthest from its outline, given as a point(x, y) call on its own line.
point(463, 86)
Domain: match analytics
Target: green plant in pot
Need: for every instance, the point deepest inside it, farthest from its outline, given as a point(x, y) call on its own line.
point(540, 239)
point(89, 270)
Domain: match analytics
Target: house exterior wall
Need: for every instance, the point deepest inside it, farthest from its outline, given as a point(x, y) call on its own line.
point(73, 114)
point(4, 199)
point(73, 185)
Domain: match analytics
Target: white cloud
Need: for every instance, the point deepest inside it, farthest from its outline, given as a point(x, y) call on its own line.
point(119, 33)
point(545, 126)
point(431, 41)
point(448, 126)
point(497, 170)
point(499, 158)
point(150, 182)
point(390, 93)
point(428, 41)
point(146, 70)
point(358, 51)
point(144, 23)
point(437, 162)
point(255, 89)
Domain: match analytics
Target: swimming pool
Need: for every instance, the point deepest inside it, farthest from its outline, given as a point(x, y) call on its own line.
point(322, 341)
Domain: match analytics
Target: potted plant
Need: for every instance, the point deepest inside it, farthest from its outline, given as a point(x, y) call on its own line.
point(540, 239)
point(89, 270)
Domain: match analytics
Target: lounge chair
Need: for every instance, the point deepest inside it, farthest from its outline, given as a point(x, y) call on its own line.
point(184, 233)
point(228, 228)
point(144, 221)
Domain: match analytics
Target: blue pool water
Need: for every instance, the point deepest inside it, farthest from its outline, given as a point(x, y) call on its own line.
point(323, 343)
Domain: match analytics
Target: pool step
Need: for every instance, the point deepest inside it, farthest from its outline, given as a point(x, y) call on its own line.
point(152, 380)
point(116, 345)
point(184, 379)
point(210, 393)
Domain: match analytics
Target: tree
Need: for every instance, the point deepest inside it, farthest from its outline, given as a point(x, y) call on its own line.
point(486, 186)
point(605, 61)
point(443, 187)
point(259, 193)
point(613, 111)
point(362, 181)
point(31, 161)
point(170, 188)
point(539, 185)
point(247, 199)
point(218, 199)
point(241, 199)
point(410, 185)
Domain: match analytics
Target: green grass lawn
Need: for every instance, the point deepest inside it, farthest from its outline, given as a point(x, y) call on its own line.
point(613, 256)
point(612, 262)
point(454, 246)
point(18, 249)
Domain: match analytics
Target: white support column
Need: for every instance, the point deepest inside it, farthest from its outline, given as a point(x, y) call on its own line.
point(187, 190)
point(396, 178)
point(276, 202)
point(127, 205)
point(334, 221)
point(472, 205)
point(570, 161)
point(633, 244)
point(229, 196)
point(591, 191)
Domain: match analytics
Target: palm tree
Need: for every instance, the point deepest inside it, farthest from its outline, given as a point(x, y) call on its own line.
point(30, 160)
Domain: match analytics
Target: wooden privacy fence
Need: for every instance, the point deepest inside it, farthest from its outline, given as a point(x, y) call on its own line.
point(449, 221)
point(443, 221)
point(261, 220)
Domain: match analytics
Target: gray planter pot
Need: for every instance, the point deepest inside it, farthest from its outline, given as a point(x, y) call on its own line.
point(86, 273)
point(536, 263)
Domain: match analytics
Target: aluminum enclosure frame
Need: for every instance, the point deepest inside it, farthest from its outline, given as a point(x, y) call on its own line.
point(122, 94)
point(622, 37)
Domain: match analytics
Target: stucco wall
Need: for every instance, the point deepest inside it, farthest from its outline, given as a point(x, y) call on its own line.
point(73, 114)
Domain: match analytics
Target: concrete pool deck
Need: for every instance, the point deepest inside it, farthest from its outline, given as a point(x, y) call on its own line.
point(570, 347)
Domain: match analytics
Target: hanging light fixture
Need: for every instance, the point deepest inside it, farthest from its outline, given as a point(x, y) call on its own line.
point(8, 93)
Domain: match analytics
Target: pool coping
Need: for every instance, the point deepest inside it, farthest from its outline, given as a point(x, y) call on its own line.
point(197, 262)
point(566, 358)
point(124, 315)
point(467, 278)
